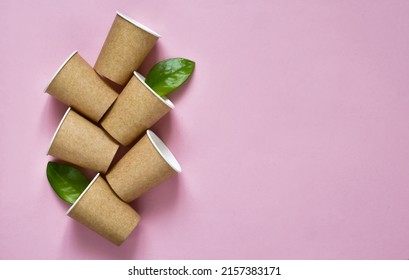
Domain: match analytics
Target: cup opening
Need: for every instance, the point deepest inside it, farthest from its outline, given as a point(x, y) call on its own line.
point(163, 99)
point(82, 194)
point(59, 69)
point(58, 128)
point(138, 24)
point(164, 151)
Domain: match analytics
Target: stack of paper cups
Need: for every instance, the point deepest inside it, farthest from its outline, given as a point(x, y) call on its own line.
point(103, 207)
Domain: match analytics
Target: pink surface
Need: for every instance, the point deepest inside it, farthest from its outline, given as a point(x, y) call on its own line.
point(292, 134)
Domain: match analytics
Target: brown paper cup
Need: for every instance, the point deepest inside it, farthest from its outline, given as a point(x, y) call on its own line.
point(137, 108)
point(126, 46)
point(99, 209)
point(77, 85)
point(82, 143)
point(148, 163)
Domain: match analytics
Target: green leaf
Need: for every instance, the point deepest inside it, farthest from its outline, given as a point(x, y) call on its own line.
point(168, 75)
point(67, 181)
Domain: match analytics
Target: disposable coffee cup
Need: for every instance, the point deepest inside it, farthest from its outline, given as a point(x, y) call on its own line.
point(137, 108)
point(126, 46)
point(82, 143)
point(148, 163)
point(77, 85)
point(99, 209)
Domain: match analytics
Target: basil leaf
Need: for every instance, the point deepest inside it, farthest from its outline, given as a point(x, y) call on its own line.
point(67, 181)
point(168, 75)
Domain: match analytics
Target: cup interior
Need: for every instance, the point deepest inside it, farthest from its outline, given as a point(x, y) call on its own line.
point(164, 99)
point(58, 128)
point(82, 194)
point(138, 24)
point(59, 69)
point(164, 151)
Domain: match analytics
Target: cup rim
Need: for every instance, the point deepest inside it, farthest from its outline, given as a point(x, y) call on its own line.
point(164, 99)
point(164, 151)
point(82, 194)
point(59, 69)
point(58, 128)
point(138, 24)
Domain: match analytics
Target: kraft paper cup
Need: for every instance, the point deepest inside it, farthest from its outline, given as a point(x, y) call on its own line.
point(137, 108)
point(148, 163)
point(77, 85)
point(82, 143)
point(99, 209)
point(126, 46)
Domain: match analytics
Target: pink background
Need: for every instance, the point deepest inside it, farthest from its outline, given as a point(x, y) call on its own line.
point(292, 134)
